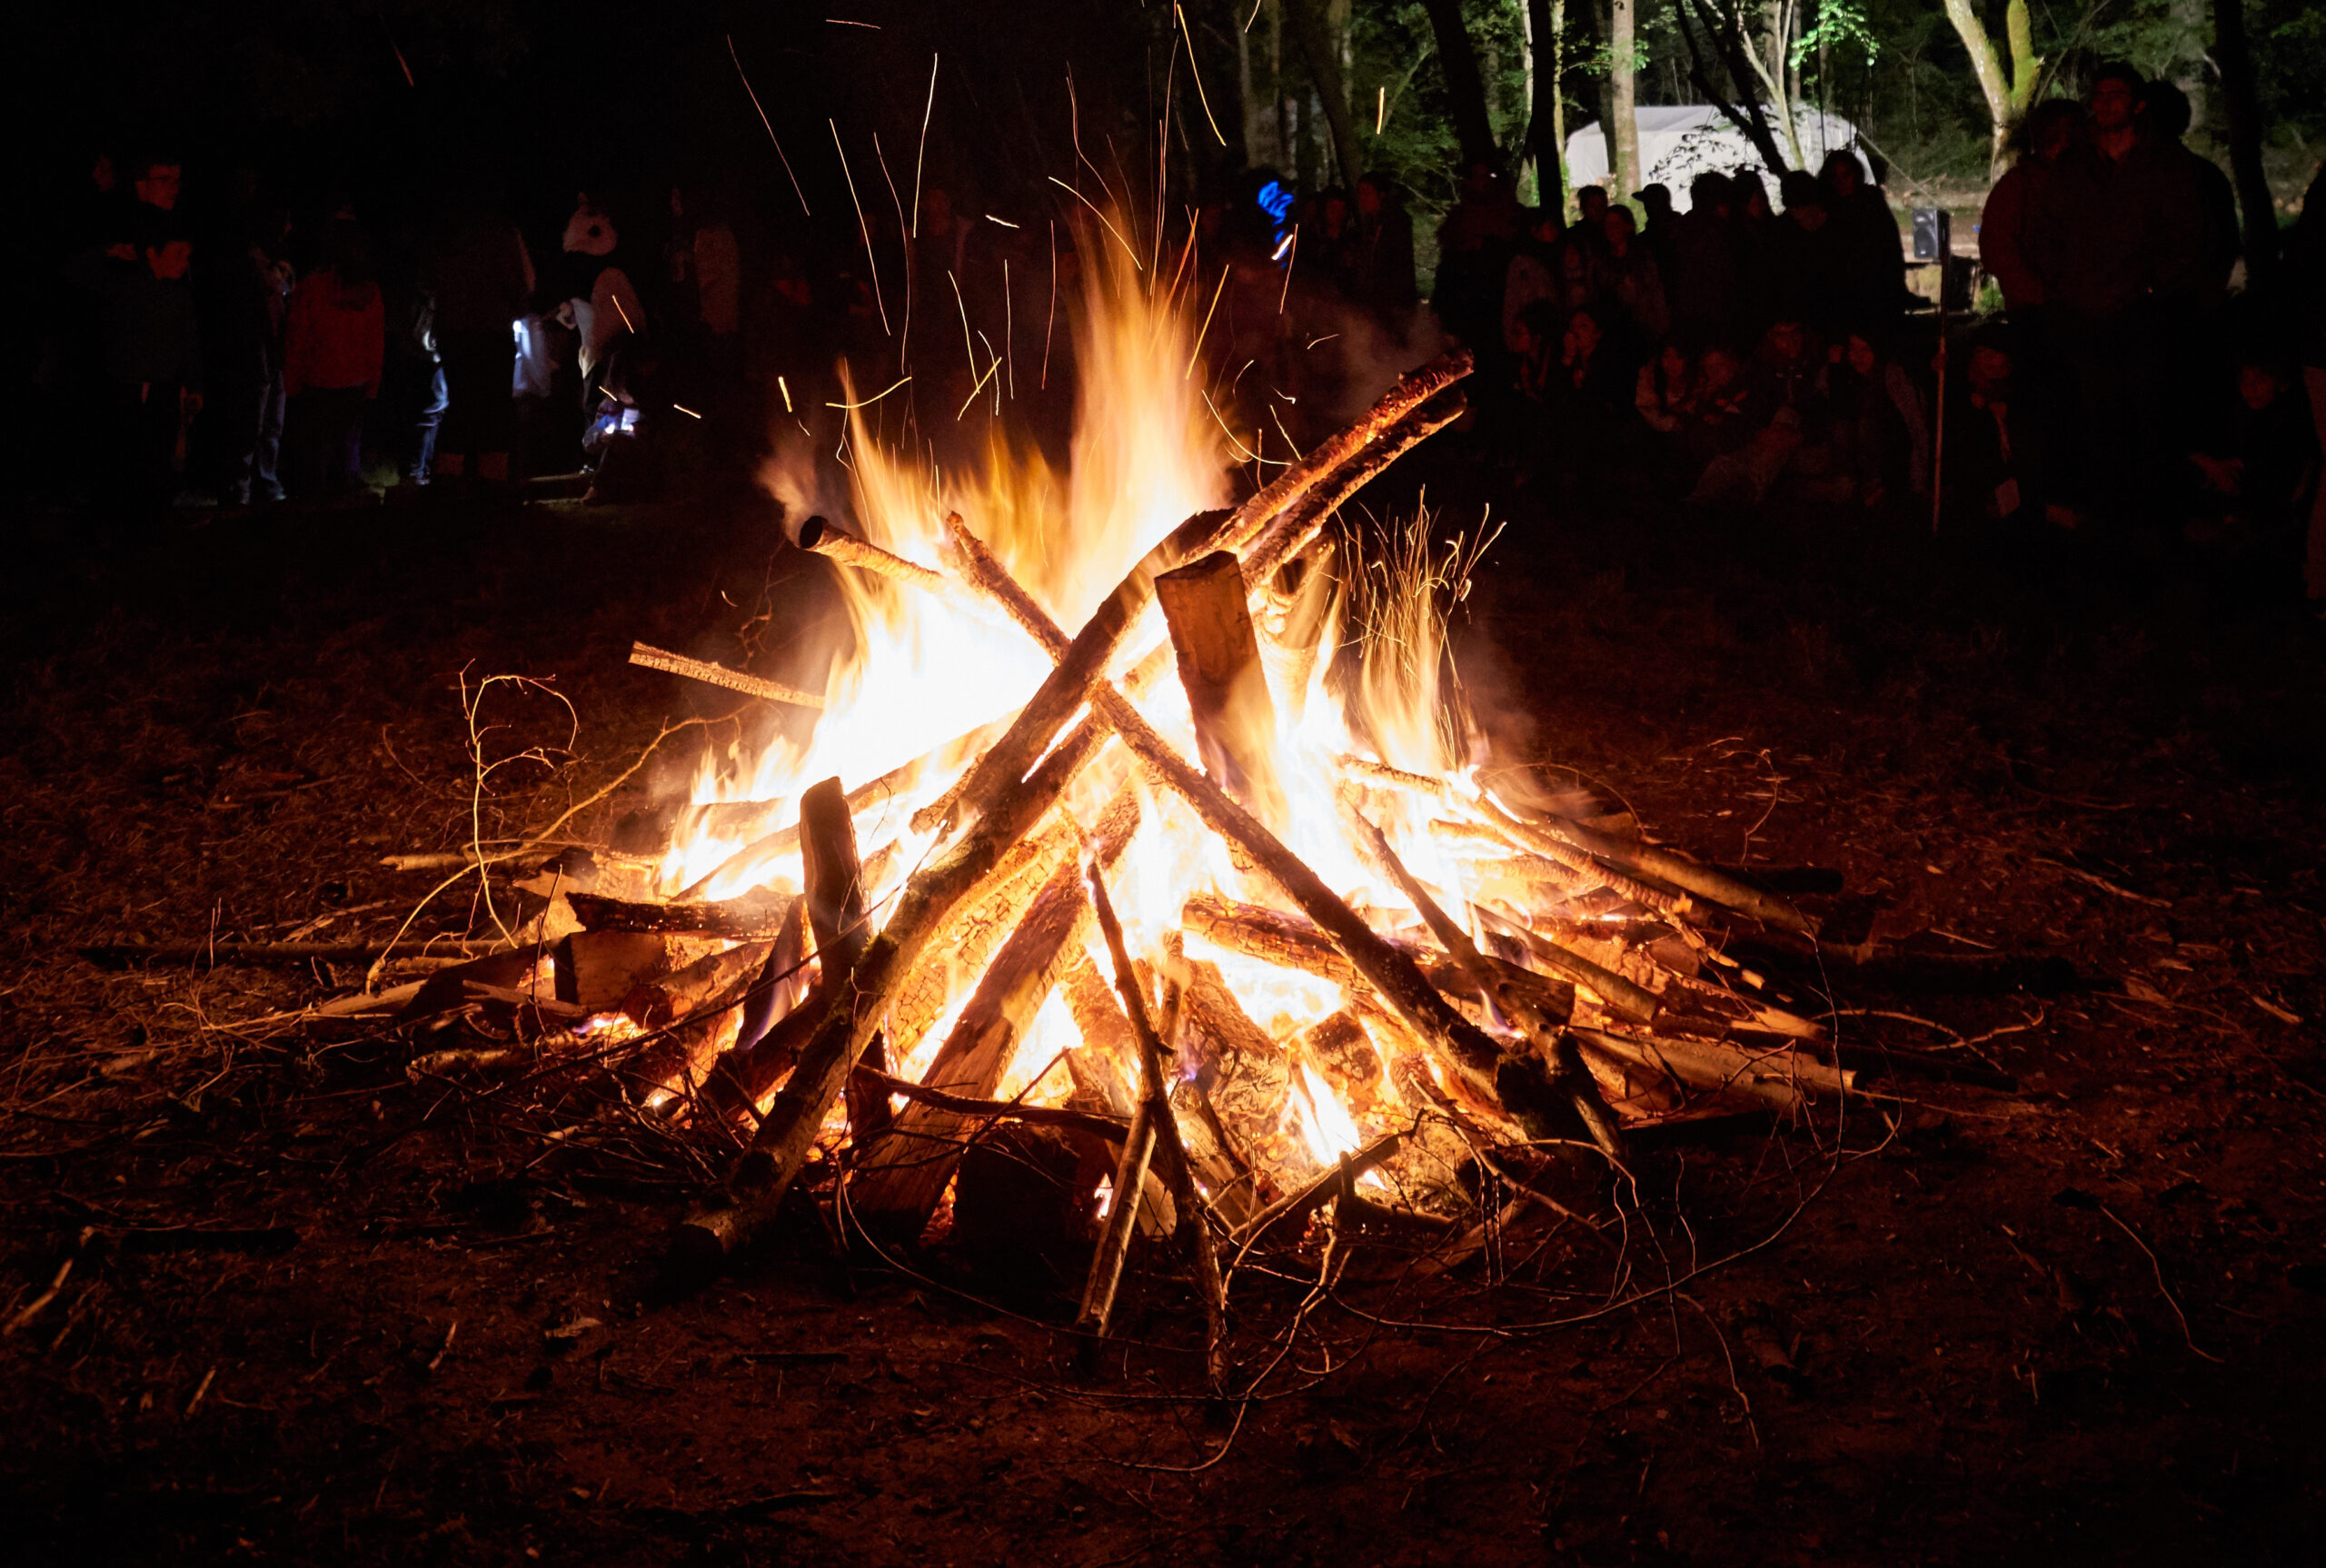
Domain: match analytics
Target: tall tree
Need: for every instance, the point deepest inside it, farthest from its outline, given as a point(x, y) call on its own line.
point(2007, 95)
point(2236, 61)
point(1466, 90)
point(1321, 49)
point(1619, 95)
point(1546, 127)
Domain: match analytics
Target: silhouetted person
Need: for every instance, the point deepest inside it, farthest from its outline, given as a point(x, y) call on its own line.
point(481, 280)
point(1867, 253)
point(2013, 225)
point(151, 351)
point(1798, 274)
point(332, 353)
point(1386, 241)
point(1704, 281)
point(245, 406)
point(2122, 254)
point(1655, 199)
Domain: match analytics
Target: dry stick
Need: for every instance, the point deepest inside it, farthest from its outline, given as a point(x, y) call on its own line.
point(1466, 1049)
point(1111, 1128)
point(720, 675)
point(1571, 1076)
point(1156, 1108)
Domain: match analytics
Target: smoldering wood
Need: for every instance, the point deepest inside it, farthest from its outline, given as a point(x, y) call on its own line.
point(1245, 1074)
point(1205, 606)
point(1098, 1063)
point(258, 954)
point(1284, 1217)
point(701, 669)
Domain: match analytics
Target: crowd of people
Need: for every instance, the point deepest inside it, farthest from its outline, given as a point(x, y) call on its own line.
point(1756, 345)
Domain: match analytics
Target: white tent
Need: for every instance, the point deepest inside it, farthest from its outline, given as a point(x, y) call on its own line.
point(1678, 141)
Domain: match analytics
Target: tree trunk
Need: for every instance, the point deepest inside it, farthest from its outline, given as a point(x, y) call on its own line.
point(2236, 59)
point(1317, 46)
point(1251, 103)
point(1619, 96)
point(1464, 88)
point(1986, 65)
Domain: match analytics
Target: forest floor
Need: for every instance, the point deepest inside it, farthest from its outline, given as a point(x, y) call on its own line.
point(2077, 1320)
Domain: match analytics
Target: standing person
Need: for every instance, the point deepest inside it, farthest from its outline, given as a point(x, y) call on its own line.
point(151, 352)
point(1703, 283)
point(604, 303)
point(2305, 280)
point(2121, 251)
point(1474, 248)
point(1655, 199)
point(1800, 274)
point(1386, 238)
point(246, 403)
point(1871, 262)
point(2014, 223)
point(481, 281)
point(1632, 285)
point(333, 351)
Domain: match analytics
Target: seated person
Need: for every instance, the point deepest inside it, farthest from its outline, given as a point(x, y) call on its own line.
point(2259, 461)
point(1880, 433)
point(1996, 464)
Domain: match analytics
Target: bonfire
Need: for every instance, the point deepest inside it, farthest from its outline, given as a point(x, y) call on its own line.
point(1141, 835)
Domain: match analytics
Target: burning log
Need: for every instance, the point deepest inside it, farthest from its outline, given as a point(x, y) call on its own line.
point(1163, 1131)
point(755, 915)
point(1291, 533)
point(1324, 461)
point(720, 675)
point(899, 1177)
point(780, 1149)
point(1219, 665)
point(784, 840)
point(1570, 1076)
point(1466, 1048)
point(1106, 1042)
point(834, 894)
point(1292, 943)
point(1110, 1127)
point(818, 534)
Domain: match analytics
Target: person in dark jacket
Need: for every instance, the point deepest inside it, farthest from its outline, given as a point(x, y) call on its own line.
point(481, 280)
point(1867, 253)
point(2121, 257)
point(1799, 272)
point(149, 348)
point(245, 406)
point(1705, 282)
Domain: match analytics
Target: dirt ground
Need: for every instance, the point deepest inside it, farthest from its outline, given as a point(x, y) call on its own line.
point(2073, 1320)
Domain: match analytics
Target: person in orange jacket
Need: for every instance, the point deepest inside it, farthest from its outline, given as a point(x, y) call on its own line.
point(333, 348)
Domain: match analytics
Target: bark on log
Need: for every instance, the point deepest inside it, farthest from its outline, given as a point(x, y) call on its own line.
point(1107, 1047)
point(821, 536)
point(757, 913)
point(701, 669)
point(900, 1176)
point(833, 888)
point(1205, 606)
